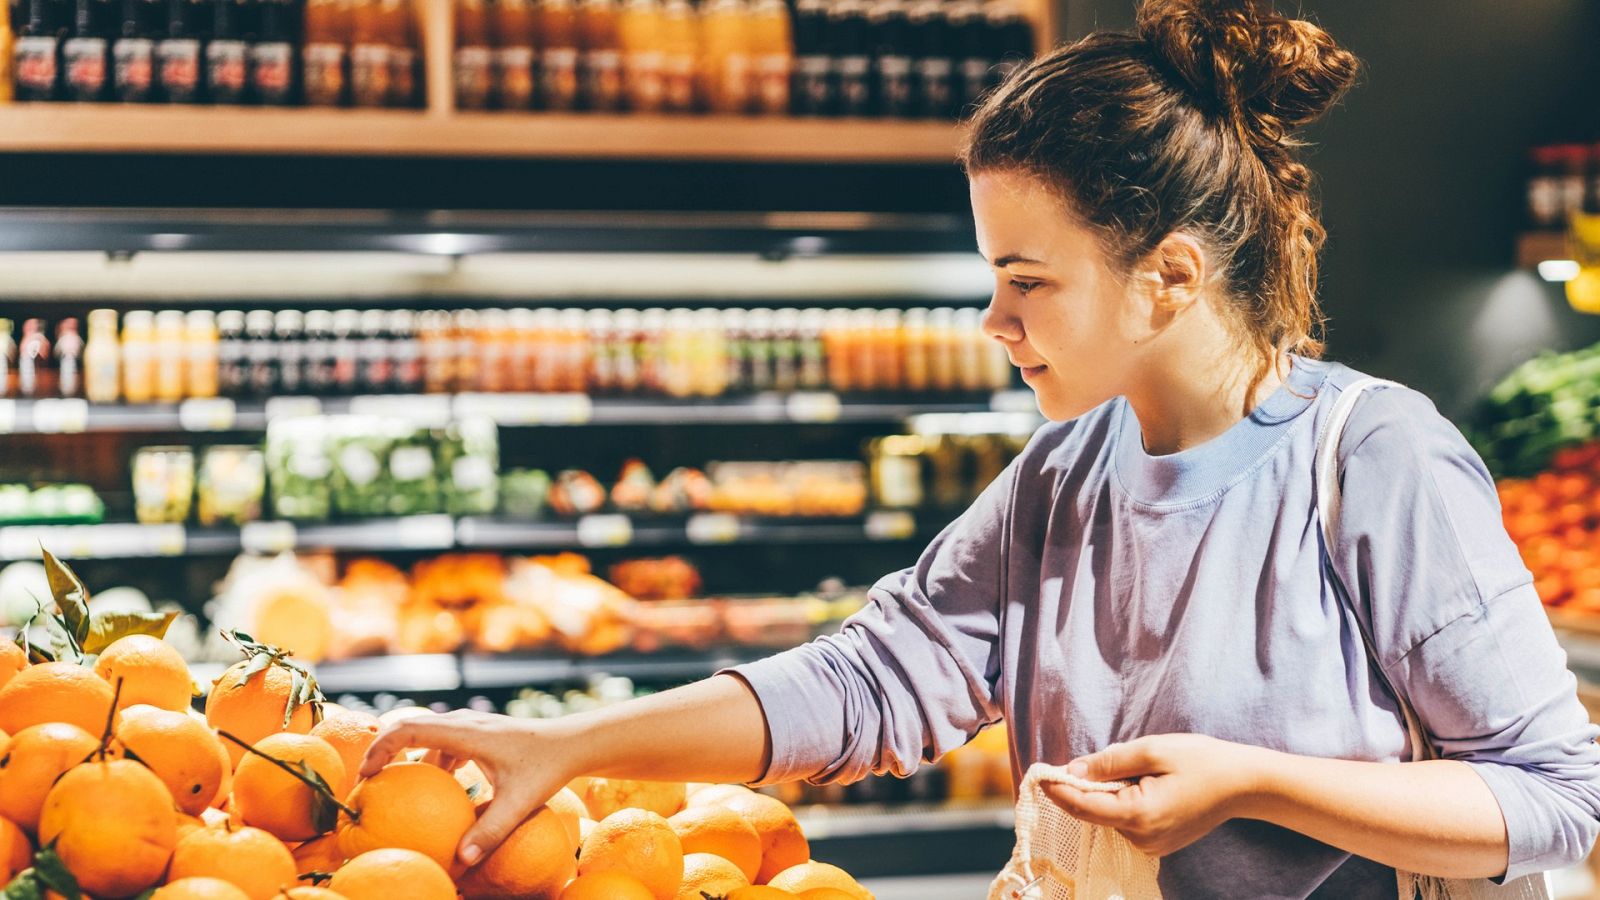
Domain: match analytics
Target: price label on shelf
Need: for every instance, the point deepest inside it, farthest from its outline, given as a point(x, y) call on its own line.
point(527, 409)
point(1013, 402)
point(890, 525)
point(267, 538)
point(428, 410)
point(608, 530)
point(8, 416)
point(292, 407)
point(813, 406)
point(713, 528)
point(207, 414)
point(68, 416)
point(425, 532)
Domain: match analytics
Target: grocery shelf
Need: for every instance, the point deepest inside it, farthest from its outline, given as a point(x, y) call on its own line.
point(485, 672)
point(440, 532)
point(1535, 247)
point(69, 416)
point(409, 673)
point(111, 128)
point(926, 839)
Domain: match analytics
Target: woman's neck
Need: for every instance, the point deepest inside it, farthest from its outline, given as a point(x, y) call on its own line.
point(1192, 395)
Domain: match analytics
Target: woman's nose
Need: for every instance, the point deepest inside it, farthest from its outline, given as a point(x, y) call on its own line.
point(1000, 324)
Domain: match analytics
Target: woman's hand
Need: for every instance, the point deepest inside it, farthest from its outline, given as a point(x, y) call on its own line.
point(526, 760)
point(1184, 786)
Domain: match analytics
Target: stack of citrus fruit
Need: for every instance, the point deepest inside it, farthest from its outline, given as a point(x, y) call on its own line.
point(1555, 519)
point(112, 786)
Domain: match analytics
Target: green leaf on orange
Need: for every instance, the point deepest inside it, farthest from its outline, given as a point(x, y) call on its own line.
point(70, 595)
point(108, 627)
point(52, 872)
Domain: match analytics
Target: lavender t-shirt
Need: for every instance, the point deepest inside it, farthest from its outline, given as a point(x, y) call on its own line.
point(1095, 593)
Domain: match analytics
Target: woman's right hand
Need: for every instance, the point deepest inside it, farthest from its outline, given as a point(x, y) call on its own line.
point(526, 760)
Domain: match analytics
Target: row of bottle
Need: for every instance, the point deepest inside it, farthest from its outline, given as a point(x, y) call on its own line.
point(1563, 181)
point(268, 52)
point(895, 58)
point(172, 355)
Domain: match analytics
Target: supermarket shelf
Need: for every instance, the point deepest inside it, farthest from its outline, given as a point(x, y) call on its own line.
point(925, 839)
point(485, 672)
point(411, 673)
point(71, 416)
point(824, 822)
point(87, 128)
point(440, 532)
point(1535, 247)
point(460, 232)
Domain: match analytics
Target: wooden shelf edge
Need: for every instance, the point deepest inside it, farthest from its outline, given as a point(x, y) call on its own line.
point(73, 128)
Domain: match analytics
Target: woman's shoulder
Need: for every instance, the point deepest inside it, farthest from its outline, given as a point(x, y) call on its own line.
point(1396, 426)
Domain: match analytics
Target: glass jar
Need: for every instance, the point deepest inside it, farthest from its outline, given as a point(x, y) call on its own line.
point(233, 479)
point(163, 484)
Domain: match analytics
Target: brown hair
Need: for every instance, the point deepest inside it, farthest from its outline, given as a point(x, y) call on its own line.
point(1187, 124)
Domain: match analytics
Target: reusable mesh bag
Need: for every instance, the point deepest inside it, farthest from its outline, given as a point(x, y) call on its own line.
point(1059, 857)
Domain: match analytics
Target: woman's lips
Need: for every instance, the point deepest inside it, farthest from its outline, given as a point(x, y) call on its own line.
point(1032, 372)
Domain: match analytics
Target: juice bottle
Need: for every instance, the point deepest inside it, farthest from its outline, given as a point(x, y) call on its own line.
point(643, 56)
point(933, 66)
point(272, 54)
point(522, 349)
point(327, 34)
point(133, 51)
point(677, 359)
point(318, 358)
point(288, 341)
point(625, 329)
point(812, 88)
point(102, 358)
point(138, 356)
point(261, 353)
point(465, 337)
point(891, 59)
point(558, 54)
point(786, 356)
point(33, 360)
point(201, 342)
point(371, 72)
point(35, 52)
point(680, 48)
point(178, 56)
point(495, 357)
point(888, 350)
point(970, 344)
point(725, 56)
point(602, 376)
point(915, 370)
point(7, 42)
point(600, 66)
point(864, 374)
point(473, 59)
point(85, 74)
point(848, 33)
point(974, 59)
point(812, 350)
point(836, 340)
point(650, 350)
point(169, 356)
point(227, 54)
point(405, 67)
point(772, 45)
point(575, 351)
point(69, 359)
point(514, 33)
point(405, 351)
point(942, 343)
point(708, 354)
point(8, 357)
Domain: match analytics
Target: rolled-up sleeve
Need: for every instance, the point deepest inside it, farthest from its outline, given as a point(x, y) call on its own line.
point(1460, 630)
point(908, 678)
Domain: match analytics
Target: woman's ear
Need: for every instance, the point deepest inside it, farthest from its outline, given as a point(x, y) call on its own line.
point(1174, 273)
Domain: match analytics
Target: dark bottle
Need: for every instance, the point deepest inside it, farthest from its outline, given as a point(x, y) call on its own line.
point(85, 73)
point(1013, 38)
point(812, 91)
point(346, 351)
point(261, 353)
point(33, 360)
point(891, 58)
point(405, 351)
point(36, 53)
point(376, 372)
point(316, 365)
point(228, 53)
point(974, 52)
point(272, 55)
point(851, 57)
point(934, 68)
point(134, 51)
point(288, 335)
point(8, 356)
point(178, 55)
point(233, 361)
point(69, 358)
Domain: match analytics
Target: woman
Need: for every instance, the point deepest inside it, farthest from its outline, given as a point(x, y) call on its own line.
point(1144, 591)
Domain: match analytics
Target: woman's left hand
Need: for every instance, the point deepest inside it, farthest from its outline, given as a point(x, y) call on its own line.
point(1184, 786)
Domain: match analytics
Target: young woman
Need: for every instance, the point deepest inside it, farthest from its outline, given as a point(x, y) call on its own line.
point(1145, 592)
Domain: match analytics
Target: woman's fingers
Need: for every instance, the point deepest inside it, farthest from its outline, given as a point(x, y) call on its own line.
point(503, 814)
point(1110, 808)
point(1117, 762)
point(432, 732)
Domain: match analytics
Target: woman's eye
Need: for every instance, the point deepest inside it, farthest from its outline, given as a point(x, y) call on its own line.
point(1023, 287)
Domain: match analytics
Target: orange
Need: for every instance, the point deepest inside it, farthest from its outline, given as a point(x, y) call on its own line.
point(196, 888)
point(411, 804)
point(585, 828)
point(290, 617)
point(252, 860)
point(350, 733)
point(32, 761)
point(251, 710)
point(469, 775)
point(225, 786)
point(604, 796)
point(708, 873)
point(758, 892)
point(307, 892)
point(181, 751)
point(640, 843)
point(718, 794)
point(270, 798)
point(716, 829)
point(571, 810)
point(319, 855)
point(810, 875)
point(152, 672)
point(608, 886)
point(533, 863)
point(55, 692)
point(16, 852)
point(393, 874)
point(12, 661)
point(188, 823)
point(782, 843)
point(825, 893)
point(113, 825)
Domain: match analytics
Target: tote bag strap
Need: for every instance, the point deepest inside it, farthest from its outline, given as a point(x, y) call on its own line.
point(1328, 507)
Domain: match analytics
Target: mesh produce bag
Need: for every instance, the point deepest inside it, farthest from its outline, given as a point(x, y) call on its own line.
point(1059, 857)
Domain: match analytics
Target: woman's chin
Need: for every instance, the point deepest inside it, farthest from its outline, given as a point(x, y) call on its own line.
point(1057, 407)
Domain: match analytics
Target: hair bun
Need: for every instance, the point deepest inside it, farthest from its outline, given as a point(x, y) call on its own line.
point(1272, 74)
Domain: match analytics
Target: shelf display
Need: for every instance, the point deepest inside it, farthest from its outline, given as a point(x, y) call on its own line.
point(1547, 403)
point(52, 504)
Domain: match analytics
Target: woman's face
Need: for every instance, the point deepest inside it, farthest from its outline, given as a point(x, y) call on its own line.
point(1064, 317)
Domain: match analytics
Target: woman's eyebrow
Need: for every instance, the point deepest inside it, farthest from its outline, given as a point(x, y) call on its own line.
point(1010, 258)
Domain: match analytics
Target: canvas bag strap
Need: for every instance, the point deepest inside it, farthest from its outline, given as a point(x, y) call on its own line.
point(1329, 496)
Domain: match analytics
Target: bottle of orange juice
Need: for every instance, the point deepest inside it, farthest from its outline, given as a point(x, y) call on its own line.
point(772, 45)
point(370, 69)
point(600, 59)
point(642, 55)
point(680, 39)
point(726, 73)
point(327, 35)
point(514, 32)
point(474, 72)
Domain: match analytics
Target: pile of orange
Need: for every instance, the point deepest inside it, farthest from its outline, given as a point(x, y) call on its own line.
point(1555, 519)
point(150, 794)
